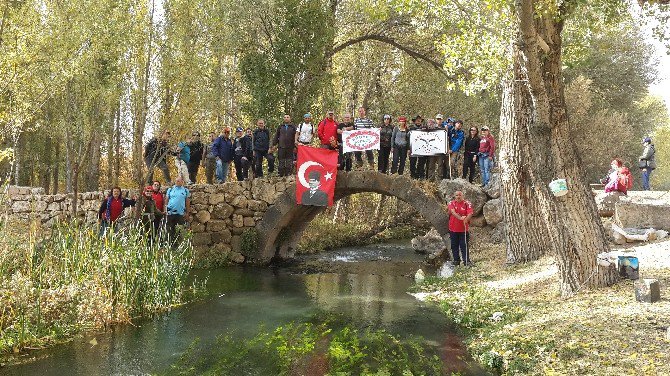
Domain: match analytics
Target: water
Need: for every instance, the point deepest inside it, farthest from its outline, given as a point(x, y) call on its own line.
point(366, 285)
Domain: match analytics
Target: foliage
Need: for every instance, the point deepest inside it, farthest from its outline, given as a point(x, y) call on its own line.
point(332, 347)
point(74, 280)
point(249, 241)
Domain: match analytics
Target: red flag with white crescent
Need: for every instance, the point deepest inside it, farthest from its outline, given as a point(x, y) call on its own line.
point(315, 181)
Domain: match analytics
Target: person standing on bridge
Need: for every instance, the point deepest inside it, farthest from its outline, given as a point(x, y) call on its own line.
point(261, 143)
point(223, 149)
point(385, 144)
point(327, 131)
point(460, 213)
point(305, 131)
point(362, 122)
point(344, 161)
point(284, 143)
point(243, 154)
point(210, 159)
point(155, 155)
point(485, 155)
point(647, 162)
point(178, 202)
point(197, 154)
point(400, 141)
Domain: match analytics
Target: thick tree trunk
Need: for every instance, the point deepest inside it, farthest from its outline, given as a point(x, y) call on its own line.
point(527, 237)
point(579, 235)
point(92, 181)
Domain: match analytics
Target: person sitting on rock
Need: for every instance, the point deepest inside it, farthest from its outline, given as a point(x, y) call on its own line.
point(618, 179)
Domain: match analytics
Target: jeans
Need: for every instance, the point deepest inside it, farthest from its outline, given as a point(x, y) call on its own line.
point(459, 246)
point(241, 167)
point(645, 179)
point(399, 157)
point(383, 159)
point(161, 164)
point(469, 167)
point(258, 161)
point(210, 167)
point(222, 170)
point(485, 167)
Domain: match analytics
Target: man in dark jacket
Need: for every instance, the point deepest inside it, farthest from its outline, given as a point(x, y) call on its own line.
point(284, 143)
point(155, 155)
point(344, 160)
point(456, 137)
point(223, 149)
point(385, 134)
point(243, 154)
point(262, 148)
point(415, 171)
point(647, 162)
point(197, 152)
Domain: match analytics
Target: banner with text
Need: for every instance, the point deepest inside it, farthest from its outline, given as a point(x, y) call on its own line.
point(360, 139)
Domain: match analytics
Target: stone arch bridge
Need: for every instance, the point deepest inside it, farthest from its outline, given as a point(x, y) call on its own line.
point(224, 212)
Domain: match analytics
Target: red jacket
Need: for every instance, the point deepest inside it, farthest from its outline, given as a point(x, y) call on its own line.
point(463, 208)
point(327, 129)
point(159, 200)
point(487, 145)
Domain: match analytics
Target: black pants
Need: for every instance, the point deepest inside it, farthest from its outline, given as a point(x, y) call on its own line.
point(241, 167)
point(162, 165)
point(413, 162)
point(421, 165)
point(383, 159)
point(459, 246)
point(344, 160)
point(368, 153)
point(399, 157)
point(172, 221)
point(285, 156)
point(469, 167)
point(258, 160)
point(193, 166)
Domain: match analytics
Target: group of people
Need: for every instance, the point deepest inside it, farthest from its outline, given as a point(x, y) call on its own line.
point(247, 149)
point(619, 178)
point(160, 210)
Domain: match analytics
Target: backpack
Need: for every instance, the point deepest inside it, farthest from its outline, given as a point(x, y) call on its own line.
point(625, 179)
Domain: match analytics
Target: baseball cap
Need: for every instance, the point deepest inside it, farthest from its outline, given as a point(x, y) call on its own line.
point(402, 118)
point(239, 129)
point(307, 115)
point(646, 140)
point(439, 116)
point(387, 116)
point(485, 128)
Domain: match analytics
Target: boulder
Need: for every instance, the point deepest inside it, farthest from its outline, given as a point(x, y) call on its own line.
point(203, 216)
point(264, 192)
point(478, 221)
point(222, 211)
point(249, 222)
point(606, 203)
point(21, 207)
point(642, 214)
point(431, 243)
point(472, 193)
point(238, 220)
point(493, 188)
point(203, 238)
point(647, 291)
point(222, 237)
point(493, 212)
point(499, 233)
point(216, 226)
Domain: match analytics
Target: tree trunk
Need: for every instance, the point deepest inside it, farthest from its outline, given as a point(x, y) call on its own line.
point(579, 235)
point(109, 173)
point(527, 237)
point(47, 162)
point(117, 148)
point(92, 181)
point(55, 168)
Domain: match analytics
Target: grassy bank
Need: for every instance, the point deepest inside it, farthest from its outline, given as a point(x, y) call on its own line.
point(71, 280)
point(515, 322)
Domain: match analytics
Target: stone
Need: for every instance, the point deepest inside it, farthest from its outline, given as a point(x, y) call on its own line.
point(39, 206)
point(493, 188)
point(647, 290)
point(606, 203)
point(238, 220)
point(222, 237)
point(239, 202)
point(244, 212)
point(478, 221)
point(493, 212)
point(217, 198)
point(203, 216)
point(642, 214)
point(237, 230)
point(223, 249)
point(233, 189)
point(257, 206)
point(21, 207)
point(197, 227)
point(198, 198)
point(236, 243)
point(236, 257)
point(499, 233)
point(472, 193)
point(203, 238)
point(249, 222)
point(264, 192)
point(216, 226)
point(222, 211)
point(431, 243)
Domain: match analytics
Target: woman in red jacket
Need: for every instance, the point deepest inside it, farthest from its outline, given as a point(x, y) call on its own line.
point(111, 209)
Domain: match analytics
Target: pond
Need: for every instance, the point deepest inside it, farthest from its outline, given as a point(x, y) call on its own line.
point(362, 286)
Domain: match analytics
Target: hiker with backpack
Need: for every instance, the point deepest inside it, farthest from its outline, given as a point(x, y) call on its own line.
point(618, 179)
point(646, 162)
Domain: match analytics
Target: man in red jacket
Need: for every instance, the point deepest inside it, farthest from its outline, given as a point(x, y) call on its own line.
point(460, 213)
point(327, 132)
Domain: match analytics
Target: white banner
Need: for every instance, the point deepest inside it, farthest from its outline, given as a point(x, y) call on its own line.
point(360, 139)
point(425, 143)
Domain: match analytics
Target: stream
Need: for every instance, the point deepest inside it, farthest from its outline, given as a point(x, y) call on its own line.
point(365, 285)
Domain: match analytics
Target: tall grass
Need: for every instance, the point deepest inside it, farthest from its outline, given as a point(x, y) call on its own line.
point(73, 279)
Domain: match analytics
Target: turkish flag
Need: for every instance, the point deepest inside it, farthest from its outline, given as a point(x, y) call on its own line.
point(317, 170)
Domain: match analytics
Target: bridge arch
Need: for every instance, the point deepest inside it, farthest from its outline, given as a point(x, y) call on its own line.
point(290, 220)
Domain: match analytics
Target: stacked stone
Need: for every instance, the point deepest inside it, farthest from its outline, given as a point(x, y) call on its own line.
point(224, 211)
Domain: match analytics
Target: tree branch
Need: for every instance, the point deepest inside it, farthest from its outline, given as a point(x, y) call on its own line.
point(416, 55)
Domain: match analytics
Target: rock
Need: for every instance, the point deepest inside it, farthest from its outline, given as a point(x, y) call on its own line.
point(257, 206)
point(239, 202)
point(236, 257)
point(606, 203)
point(21, 207)
point(244, 212)
point(197, 227)
point(493, 212)
point(249, 222)
point(238, 220)
point(493, 188)
point(647, 290)
point(222, 237)
point(499, 233)
point(431, 243)
point(216, 226)
point(264, 192)
point(478, 221)
point(236, 243)
point(420, 276)
point(203, 216)
point(198, 198)
point(203, 238)
point(222, 211)
point(446, 270)
point(618, 238)
point(642, 214)
point(472, 193)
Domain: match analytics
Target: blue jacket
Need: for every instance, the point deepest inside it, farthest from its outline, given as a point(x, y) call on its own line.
point(456, 137)
point(185, 154)
point(223, 148)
